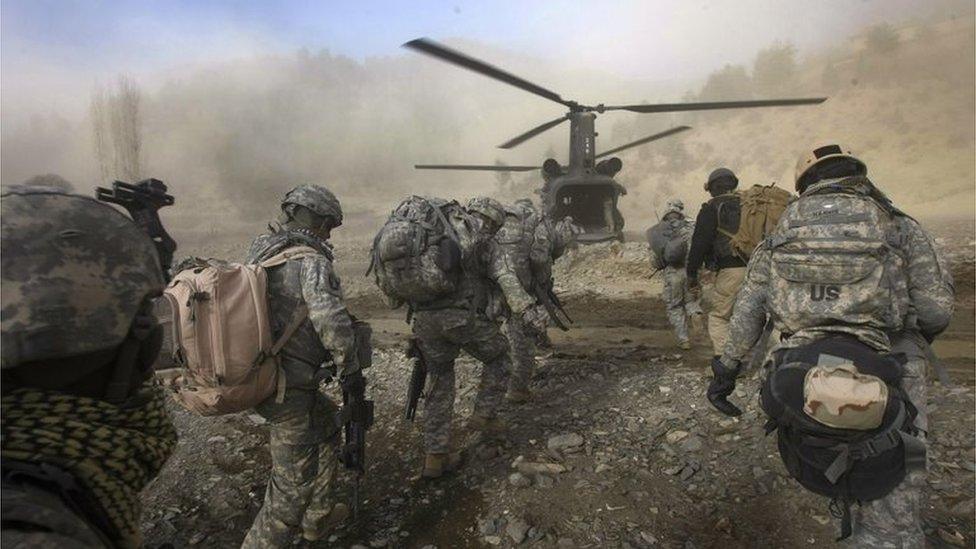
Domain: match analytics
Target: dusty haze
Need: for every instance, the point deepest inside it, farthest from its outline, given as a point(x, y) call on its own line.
point(230, 136)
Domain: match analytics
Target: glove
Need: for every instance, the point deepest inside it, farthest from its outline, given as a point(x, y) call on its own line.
point(694, 288)
point(721, 386)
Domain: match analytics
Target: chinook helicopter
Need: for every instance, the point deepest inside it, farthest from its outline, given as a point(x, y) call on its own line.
point(585, 188)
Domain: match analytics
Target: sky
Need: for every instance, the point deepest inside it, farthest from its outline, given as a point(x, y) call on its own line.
point(48, 48)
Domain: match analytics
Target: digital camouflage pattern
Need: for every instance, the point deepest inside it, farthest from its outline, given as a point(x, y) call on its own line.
point(678, 302)
point(75, 272)
point(303, 425)
point(488, 207)
point(442, 335)
point(47, 521)
point(893, 521)
point(913, 282)
point(316, 198)
point(488, 291)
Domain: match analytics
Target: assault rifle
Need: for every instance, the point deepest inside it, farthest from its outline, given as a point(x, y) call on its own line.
point(548, 298)
point(357, 417)
point(418, 378)
point(143, 201)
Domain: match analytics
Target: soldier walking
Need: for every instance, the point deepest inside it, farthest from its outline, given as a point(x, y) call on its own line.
point(902, 312)
point(711, 245)
point(304, 428)
point(668, 241)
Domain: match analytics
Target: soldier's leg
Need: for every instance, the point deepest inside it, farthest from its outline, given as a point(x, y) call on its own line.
point(487, 345)
point(432, 330)
point(673, 297)
point(521, 355)
point(323, 514)
point(280, 517)
point(895, 520)
point(724, 291)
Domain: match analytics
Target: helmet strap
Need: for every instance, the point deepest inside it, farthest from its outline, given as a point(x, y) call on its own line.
point(135, 356)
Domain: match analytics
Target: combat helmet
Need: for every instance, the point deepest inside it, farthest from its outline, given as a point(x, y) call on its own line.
point(719, 174)
point(317, 199)
point(817, 156)
point(76, 272)
point(488, 207)
point(674, 205)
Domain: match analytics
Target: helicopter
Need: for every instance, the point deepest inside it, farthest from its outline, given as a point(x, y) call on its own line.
point(585, 189)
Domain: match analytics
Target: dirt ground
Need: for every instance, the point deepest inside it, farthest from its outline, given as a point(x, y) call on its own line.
point(618, 448)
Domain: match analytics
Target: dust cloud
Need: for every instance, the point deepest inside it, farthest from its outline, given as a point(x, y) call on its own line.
point(230, 137)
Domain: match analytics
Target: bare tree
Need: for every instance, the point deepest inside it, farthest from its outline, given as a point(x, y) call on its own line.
point(117, 130)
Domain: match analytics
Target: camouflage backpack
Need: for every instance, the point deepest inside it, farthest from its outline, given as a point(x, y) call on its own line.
point(416, 255)
point(836, 261)
point(516, 238)
point(668, 240)
point(760, 208)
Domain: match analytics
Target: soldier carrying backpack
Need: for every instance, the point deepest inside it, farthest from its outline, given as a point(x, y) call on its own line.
point(440, 260)
point(668, 240)
point(858, 291)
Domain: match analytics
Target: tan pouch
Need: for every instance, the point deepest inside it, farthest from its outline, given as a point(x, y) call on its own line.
point(841, 397)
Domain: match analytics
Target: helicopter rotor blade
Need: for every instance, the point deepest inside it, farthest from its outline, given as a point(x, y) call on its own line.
point(648, 139)
point(484, 167)
point(428, 46)
point(680, 107)
point(532, 133)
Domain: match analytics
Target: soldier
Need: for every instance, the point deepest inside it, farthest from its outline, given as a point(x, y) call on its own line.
point(84, 429)
point(468, 319)
point(304, 428)
point(530, 243)
point(921, 291)
point(669, 258)
point(711, 246)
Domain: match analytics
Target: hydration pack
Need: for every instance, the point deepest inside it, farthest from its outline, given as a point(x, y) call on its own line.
point(225, 356)
point(835, 260)
point(844, 425)
point(416, 255)
point(668, 240)
point(758, 211)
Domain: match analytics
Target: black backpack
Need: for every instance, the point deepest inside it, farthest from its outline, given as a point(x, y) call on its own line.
point(848, 466)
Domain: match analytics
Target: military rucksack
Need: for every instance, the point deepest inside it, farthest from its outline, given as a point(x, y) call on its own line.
point(516, 238)
point(835, 260)
point(416, 255)
point(845, 427)
point(668, 240)
point(759, 210)
point(224, 351)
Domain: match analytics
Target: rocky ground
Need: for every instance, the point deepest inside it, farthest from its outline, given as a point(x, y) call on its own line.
point(617, 449)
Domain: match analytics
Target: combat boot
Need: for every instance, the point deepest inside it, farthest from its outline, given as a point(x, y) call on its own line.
point(436, 465)
point(488, 426)
point(328, 523)
point(684, 346)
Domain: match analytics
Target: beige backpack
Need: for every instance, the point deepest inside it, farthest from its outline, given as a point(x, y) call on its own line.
point(226, 359)
point(761, 207)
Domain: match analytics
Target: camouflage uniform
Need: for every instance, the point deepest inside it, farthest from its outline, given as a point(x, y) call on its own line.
point(304, 427)
point(467, 319)
point(678, 301)
point(894, 520)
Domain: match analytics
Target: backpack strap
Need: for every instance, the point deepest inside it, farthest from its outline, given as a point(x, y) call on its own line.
point(876, 445)
point(296, 252)
point(448, 228)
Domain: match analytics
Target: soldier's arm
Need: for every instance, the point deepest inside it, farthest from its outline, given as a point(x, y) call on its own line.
point(749, 314)
point(327, 311)
point(502, 271)
point(930, 285)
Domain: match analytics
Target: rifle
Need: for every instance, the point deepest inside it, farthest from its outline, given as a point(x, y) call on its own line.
point(418, 378)
point(545, 295)
point(357, 418)
point(143, 201)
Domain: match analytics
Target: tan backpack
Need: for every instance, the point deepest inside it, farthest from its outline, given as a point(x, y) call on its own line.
point(226, 359)
point(760, 209)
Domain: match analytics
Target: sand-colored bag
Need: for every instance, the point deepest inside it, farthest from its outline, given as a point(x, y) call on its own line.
point(222, 342)
point(841, 397)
